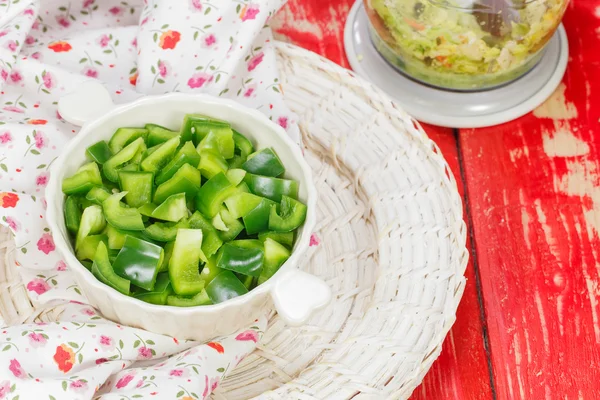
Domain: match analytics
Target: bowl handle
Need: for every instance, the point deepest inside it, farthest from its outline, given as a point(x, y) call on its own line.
point(88, 101)
point(297, 294)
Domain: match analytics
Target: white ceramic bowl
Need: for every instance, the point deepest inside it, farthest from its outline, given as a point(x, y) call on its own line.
point(293, 293)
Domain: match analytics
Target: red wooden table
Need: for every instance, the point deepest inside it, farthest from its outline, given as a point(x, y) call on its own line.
point(528, 326)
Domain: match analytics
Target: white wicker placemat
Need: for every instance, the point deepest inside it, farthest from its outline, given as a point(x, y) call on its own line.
point(392, 247)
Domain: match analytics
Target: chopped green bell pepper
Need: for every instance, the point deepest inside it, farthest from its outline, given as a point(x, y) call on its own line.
point(211, 242)
point(172, 209)
point(243, 260)
point(97, 195)
point(165, 231)
point(88, 245)
point(234, 225)
point(211, 195)
point(120, 216)
point(168, 253)
point(127, 154)
point(225, 286)
point(284, 238)
point(219, 135)
point(187, 154)
point(210, 270)
point(236, 175)
point(162, 290)
point(116, 238)
point(271, 188)
point(184, 264)
point(241, 204)
point(139, 156)
point(187, 129)
point(187, 180)
point(72, 214)
point(264, 162)
point(292, 214)
point(159, 134)
point(104, 272)
point(201, 299)
point(161, 156)
point(92, 222)
point(138, 261)
point(275, 255)
point(243, 144)
point(138, 186)
point(83, 180)
point(125, 136)
point(99, 152)
point(147, 209)
point(211, 163)
point(133, 167)
point(257, 220)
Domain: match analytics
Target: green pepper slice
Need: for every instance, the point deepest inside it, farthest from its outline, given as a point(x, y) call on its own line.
point(212, 163)
point(187, 154)
point(243, 144)
point(211, 242)
point(271, 188)
point(292, 214)
point(236, 175)
point(128, 153)
point(264, 162)
point(172, 209)
point(187, 128)
point(83, 180)
point(234, 226)
point(116, 238)
point(242, 203)
point(187, 180)
point(243, 260)
point(275, 255)
point(72, 214)
point(88, 245)
point(284, 238)
point(125, 136)
point(138, 186)
point(92, 222)
point(121, 217)
point(99, 152)
point(161, 156)
point(257, 220)
point(159, 134)
point(211, 195)
point(165, 231)
point(201, 299)
point(138, 261)
point(220, 134)
point(147, 209)
point(168, 253)
point(225, 286)
point(183, 266)
point(97, 195)
point(104, 272)
point(210, 270)
point(160, 293)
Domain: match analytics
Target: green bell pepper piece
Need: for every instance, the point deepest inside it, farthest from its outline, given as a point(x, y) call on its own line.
point(116, 238)
point(183, 267)
point(210, 270)
point(147, 209)
point(159, 134)
point(248, 244)
point(291, 215)
point(138, 261)
point(88, 245)
point(211, 163)
point(168, 253)
point(275, 255)
point(187, 154)
point(128, 153)
point(139, 156)
point(160, 293)
point(138, 186)
point(246, 261)
point(161, 156)
point(72, 214)
point(264, 162)
point(201, 299)
point(257, 220)
point(211, 195)
point(284, 238)
point(187, 129)
point(99, 152)
point(92, 222)
point(241, 203)
point(234, 225)
point(225, 286)
point(172, 209)
point(235, 175)
point(271, 188)
point(87, 264)
point(165, 231)
point(243, 144)
point(248, 281)
point(104, 272)
point(125, 136)
point(121, 217)
point(133, 167)
point(220, 134)
point(83, 180)
point(97, 194)
point(211, 242)
point(187, 180)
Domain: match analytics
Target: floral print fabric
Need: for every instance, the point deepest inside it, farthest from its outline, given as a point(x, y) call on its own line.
point(47, 49)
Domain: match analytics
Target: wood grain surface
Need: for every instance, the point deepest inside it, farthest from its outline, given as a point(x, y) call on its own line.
point(528, 326)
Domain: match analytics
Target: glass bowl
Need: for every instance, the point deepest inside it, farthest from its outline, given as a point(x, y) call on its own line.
point(463, 44)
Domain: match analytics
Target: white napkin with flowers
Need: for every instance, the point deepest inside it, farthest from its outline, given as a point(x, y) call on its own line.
point(49, 48)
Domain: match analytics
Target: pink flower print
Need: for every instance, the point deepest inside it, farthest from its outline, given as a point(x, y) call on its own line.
point(176, 372)
point(104, 40)
point(11, 45)
point(78, 386)
point(206, 387)
point(134, 42)
point(36, 24)
point(4, 389)
point(36, 339)
point(28, 11)
point(145, 352)
point(142, 24)
point(61, 266)
point(12, 223)
point(29, 39)
point(115, 11)
point(38, 285)
point(4, 74)
point(37, 55)
point(13, 109)
point(42, 179)
point(248, 335)
point(254, 61)
point(88, 3)
point(199, 79)
point(89, 312)
point(314, 240)
point(101, 361)
point(249, 12)
point(63, 21)
point(41, 140)
point(214, 382)
point(196, 5)
point(283, 122)
point(16, 77)
point(163, 68)
point(48, 79)
point(249, 91)
point(6, 137)
point(90, 71)
point(209, 40)
point(140, 383)
point(4, 32)
point(16, 369)
point(46, 244)
point(124, 381)
point(107, 342)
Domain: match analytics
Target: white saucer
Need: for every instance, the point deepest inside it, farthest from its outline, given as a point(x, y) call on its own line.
point(450, 108)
